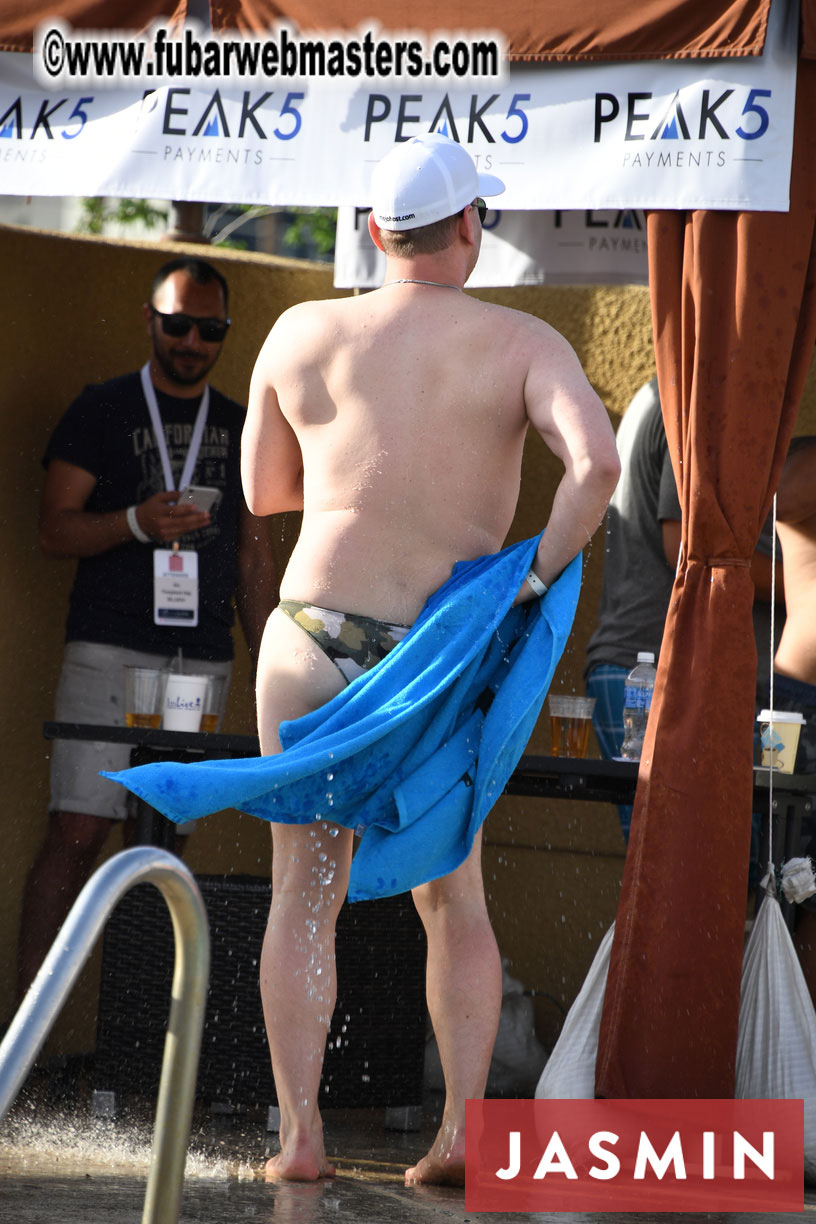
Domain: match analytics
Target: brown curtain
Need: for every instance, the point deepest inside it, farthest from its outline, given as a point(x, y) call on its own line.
point(734, 316)
point(808, 25)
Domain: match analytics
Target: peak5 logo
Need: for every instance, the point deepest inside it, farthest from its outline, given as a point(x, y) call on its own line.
point(690, 117)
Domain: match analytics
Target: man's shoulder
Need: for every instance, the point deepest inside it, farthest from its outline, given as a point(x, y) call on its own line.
point(513, 317)
point(112, 390)
point(803, 442)
point(91, 420)
point(291, 321)
point(310, 306)
point(220, 402)
point(313, 308)
point(301, 329)
point(527, 336)
point(642, 422)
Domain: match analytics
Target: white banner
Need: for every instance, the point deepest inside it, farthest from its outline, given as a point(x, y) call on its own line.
point(591, 247)
point(679, 134)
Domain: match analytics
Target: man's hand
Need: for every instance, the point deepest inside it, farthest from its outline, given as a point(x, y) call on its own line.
point(162, 518)
point(67, 529)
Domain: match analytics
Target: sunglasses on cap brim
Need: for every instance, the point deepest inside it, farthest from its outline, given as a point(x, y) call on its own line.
point(211, 331)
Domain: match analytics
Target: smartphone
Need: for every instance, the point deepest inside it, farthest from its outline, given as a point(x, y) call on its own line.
point(201, 496)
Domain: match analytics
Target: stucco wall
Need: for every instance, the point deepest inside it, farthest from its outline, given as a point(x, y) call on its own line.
point(70, 314)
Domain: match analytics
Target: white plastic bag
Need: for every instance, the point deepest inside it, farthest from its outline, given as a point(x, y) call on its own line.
point(570, 1071)
point(776, 1042)
point(518, 1055)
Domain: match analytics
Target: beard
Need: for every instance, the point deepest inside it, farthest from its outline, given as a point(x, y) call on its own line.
point(182, 366)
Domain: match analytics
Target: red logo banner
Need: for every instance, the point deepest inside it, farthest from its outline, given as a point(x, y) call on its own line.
point(634, 1155)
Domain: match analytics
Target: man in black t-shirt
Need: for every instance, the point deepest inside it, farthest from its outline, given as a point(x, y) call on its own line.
point(115, 464)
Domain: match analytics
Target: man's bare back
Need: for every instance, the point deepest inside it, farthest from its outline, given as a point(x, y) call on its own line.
point(407, 408)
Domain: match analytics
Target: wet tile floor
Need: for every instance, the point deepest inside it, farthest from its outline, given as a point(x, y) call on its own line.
point(59, 1165)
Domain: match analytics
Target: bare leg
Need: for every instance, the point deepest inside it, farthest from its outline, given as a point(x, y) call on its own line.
point(464, 1000)
point(310, 867)
point(63, 865)
point(298, 983)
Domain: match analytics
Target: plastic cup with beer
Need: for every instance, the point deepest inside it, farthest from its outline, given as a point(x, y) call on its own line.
point(185, 698)
point(570, 720)
point(213, 703)
point(779, 738)
point(144, 696)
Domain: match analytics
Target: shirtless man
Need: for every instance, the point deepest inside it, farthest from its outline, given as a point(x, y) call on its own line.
point(795, 658)
point(396, 420)
point(796, 527)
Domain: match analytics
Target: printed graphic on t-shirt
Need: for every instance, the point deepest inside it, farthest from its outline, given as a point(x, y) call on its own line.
point(210, 469)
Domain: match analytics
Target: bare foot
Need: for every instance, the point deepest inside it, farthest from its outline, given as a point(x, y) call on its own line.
point(445, 1163)
point(431, 1170)
point(300, 1160)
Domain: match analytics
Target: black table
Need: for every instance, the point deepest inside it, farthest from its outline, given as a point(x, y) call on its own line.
point(149, 745)
point(210, 744)
point(543, 777)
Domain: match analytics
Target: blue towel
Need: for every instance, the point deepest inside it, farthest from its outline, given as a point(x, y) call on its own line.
point(418, 749)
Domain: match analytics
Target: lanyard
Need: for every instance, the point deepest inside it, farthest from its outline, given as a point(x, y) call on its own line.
point(161, 441)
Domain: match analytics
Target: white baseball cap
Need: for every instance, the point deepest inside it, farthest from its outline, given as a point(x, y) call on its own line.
point(425, 179)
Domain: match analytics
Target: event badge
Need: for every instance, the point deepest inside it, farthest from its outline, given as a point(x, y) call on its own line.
point(175, 588)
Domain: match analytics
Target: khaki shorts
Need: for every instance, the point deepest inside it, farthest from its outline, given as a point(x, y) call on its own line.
point(92, 690)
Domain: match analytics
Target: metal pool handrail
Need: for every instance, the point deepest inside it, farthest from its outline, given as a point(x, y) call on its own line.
point(61, 968)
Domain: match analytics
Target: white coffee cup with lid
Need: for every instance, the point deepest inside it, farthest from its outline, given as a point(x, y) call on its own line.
point(779, 738)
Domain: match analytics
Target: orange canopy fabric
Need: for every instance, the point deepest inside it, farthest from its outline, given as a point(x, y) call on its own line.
point(561, 30)
point(564, 31)
point(580, 30)
point(734, 315)
point(18, 22)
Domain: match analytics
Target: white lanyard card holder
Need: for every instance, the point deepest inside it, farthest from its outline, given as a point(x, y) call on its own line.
point(175, 588)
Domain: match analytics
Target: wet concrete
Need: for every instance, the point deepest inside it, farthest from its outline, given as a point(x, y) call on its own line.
point(59, 1165)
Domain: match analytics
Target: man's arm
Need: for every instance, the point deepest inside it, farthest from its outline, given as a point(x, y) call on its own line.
point(796, 495)
point(574, 424)
point(67, 529)
point(258, 579)
point(672, 532)
point(271, 462)
point(761, 564)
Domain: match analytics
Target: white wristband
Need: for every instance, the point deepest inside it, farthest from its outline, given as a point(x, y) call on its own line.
point(539, 587)
point(132, 522)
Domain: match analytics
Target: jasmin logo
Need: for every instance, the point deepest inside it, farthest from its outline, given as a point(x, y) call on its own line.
point(644, 1155)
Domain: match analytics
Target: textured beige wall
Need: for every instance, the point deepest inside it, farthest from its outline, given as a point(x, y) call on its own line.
point(70, 314)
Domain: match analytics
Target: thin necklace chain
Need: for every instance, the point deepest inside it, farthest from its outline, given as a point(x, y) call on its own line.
point(410, 280)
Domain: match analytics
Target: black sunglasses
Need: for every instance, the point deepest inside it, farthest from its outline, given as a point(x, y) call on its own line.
point(211, 331)
point(480, 207)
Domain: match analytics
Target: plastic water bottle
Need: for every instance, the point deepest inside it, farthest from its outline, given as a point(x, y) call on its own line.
point(637, 700)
